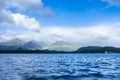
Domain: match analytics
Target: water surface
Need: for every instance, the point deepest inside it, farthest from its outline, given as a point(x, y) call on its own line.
point(59, 66)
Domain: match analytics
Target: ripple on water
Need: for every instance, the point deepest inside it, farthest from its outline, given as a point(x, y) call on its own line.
point(59, 67)
point(54, 77)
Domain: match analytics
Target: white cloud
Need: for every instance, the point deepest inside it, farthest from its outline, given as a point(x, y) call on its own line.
point(32, 6)
point(20, 20)
point(7, 17)
point(98, 35)
point(9, 34)
point(25, 22)
point(26, 5)
point(113, 2)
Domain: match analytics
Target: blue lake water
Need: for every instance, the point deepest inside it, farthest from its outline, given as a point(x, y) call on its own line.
point(59, 66)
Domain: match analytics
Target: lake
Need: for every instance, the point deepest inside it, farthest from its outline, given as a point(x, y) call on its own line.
point(60, 66)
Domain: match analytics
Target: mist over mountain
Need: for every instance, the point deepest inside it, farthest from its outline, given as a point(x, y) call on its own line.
point(13, 42)
point(62, 46)
point(33, 45)
point(58, 46)
point(18, 43)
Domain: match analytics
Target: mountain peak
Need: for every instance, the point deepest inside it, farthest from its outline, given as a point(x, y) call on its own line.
point(32, 45)
point(13, 42)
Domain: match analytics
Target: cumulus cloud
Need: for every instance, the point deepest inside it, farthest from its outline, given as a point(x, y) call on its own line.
point(8, 35)
point(26, 5)
point(98, 35)
point(5, 17)
point(18, 19)
point(25, 22)
point(113, 2)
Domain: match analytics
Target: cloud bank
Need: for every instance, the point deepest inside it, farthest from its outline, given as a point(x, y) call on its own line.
point(98, 35)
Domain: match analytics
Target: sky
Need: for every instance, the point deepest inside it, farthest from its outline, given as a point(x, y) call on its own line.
point(84, 22)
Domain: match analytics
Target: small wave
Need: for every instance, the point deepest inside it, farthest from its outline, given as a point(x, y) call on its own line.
point(55, 77)
point(35, 78)
point(71, 68)
point(63, 63)
point(66, 71)
point(84, 70)
point(96, 74)
point(104, 63)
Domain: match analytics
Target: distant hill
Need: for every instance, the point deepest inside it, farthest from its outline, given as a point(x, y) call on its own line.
point(11, 44)
point(90, 49)
point(31, 45)
point(97, 49)
point(19, 44)
point(14, 42)
point(3, 47)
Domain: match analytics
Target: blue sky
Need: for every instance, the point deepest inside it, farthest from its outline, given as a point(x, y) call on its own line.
point(80, 12)
point(86, 22)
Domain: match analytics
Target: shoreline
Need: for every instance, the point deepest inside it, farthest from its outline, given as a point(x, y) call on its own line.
point(48, 52)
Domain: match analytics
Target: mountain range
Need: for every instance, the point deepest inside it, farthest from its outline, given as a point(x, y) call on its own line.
point(17, 45)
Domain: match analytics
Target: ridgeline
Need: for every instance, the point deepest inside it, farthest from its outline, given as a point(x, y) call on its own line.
point(89, 49)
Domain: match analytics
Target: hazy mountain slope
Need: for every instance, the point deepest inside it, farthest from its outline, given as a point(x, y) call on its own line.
point(17, 43)
point(31, 45)
point(62, 46)
point(13, 42)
